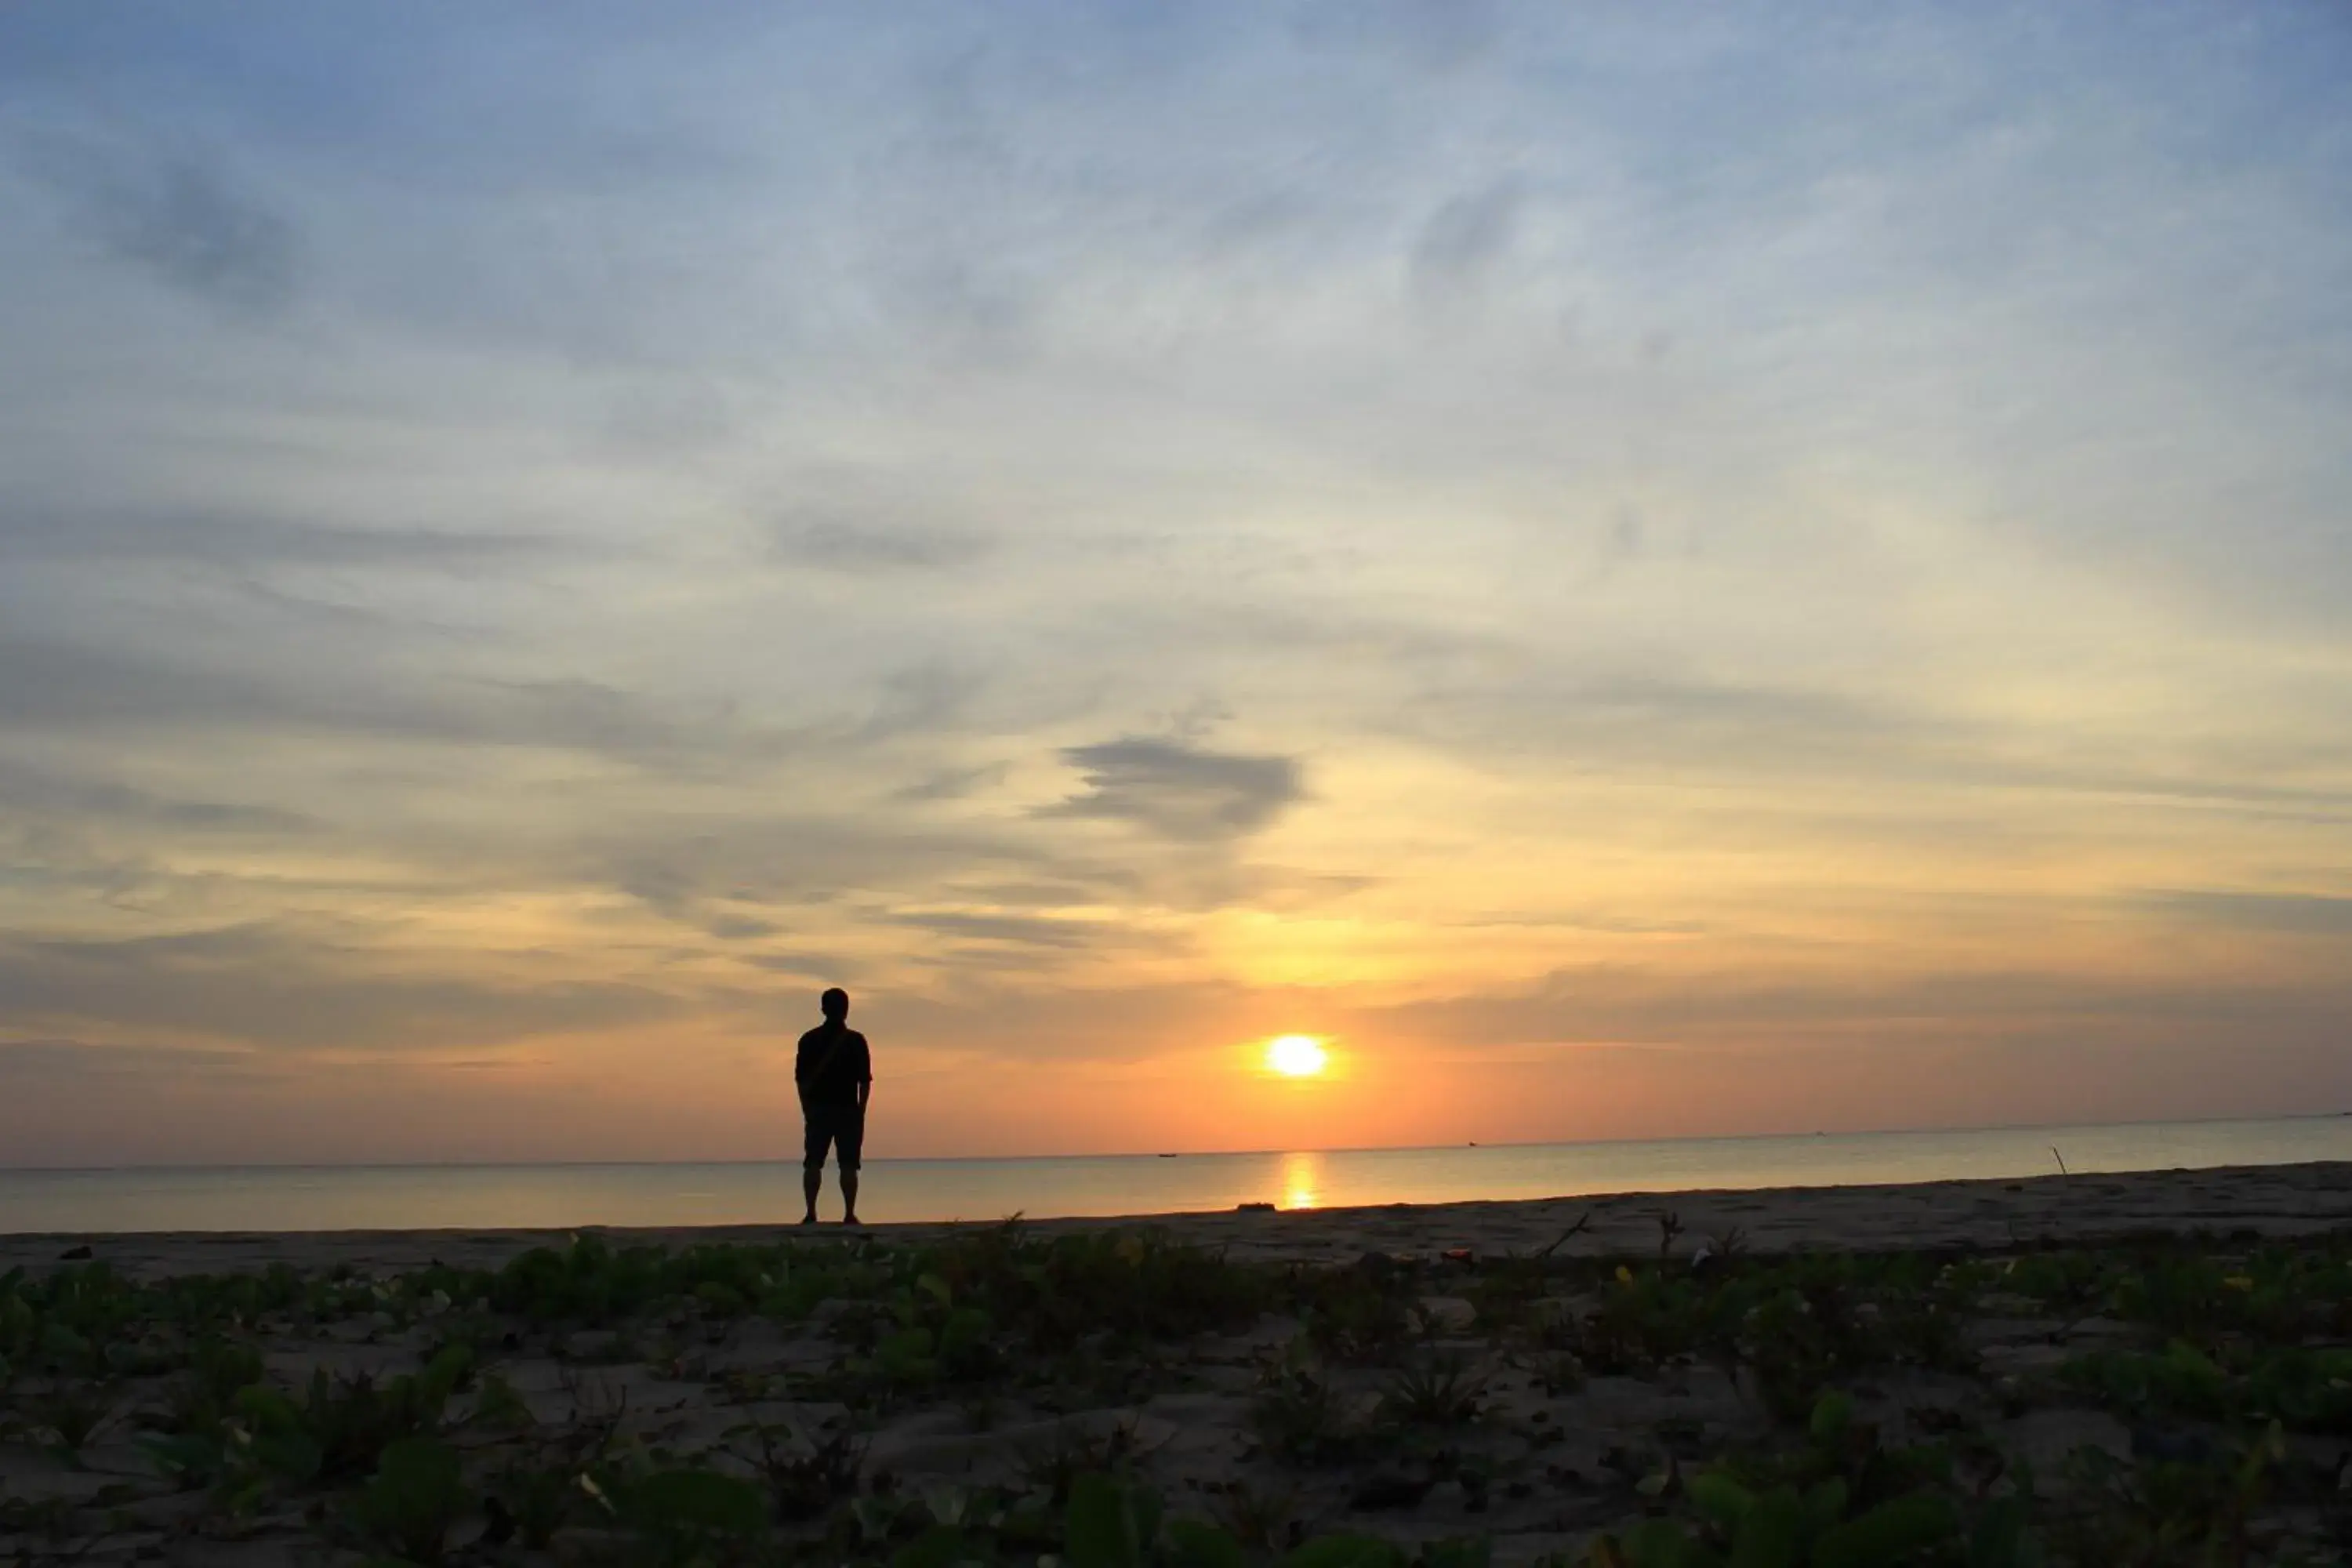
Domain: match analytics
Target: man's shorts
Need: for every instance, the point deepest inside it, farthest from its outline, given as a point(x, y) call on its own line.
point(838, 1127)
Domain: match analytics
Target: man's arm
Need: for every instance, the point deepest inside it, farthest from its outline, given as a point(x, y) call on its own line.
point(865, 1075)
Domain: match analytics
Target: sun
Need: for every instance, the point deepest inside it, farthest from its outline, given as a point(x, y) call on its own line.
point(1295, 1056)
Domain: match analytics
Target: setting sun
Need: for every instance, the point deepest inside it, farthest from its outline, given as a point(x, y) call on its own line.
point(1295, 1056)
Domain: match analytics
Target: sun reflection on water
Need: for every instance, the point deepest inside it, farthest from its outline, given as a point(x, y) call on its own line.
point(1302, 1179)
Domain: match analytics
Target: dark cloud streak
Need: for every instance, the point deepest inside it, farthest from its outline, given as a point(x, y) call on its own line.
point(2300, 914)
point(1180, 791)
point(182, 219)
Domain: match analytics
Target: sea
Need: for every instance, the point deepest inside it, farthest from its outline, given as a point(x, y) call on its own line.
point(562, 1196)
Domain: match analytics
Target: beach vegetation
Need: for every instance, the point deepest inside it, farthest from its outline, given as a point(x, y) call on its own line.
point(1439, 1391)
point(1300, 1416)
point(416, 1495)
point(2158, 1400)
point(1356, 1316)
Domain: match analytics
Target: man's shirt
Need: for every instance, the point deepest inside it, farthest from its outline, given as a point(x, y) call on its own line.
point(832, 1063)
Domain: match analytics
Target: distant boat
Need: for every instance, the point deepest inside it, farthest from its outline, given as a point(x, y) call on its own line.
point(1168, 1156)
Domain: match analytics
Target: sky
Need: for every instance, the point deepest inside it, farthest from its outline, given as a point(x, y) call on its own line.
point(1642, 575)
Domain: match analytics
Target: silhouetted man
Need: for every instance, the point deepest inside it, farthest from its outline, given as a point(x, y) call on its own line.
point(835, 1076)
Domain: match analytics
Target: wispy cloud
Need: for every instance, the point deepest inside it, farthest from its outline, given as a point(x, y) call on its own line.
point(2303, 914)
point(178, 217)
point(1179, 790)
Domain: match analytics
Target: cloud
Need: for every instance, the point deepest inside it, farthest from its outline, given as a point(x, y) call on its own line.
point(1669, 718)
point(276, 984)
point(868, 547)
point(1180, 790)
point(920, 700)
point(82, 1061)
point(1022, 930)
point(1659, 1005)
point(952, 783)
point(682, 864)
point(739, 927)
point(2301, 914)
point(815, 966)
point(33, 530)
point(182, 219)
point(58, 685)
point(1463, 240)
point(30, 790)
point(45, 684)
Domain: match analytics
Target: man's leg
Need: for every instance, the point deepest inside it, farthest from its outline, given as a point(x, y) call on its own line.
point(812, 1160)
point(849, 1146)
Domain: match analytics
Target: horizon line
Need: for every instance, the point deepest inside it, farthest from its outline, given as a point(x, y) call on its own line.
point(1162, 1154)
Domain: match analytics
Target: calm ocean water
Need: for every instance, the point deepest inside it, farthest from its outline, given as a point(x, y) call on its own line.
point(423, 1196)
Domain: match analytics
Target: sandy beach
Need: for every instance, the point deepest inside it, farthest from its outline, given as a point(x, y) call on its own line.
point(1532, 1375)
point(2267, 1199)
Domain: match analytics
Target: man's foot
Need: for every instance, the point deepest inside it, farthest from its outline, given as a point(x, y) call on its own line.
point(851, 1219)
point(810, 1218)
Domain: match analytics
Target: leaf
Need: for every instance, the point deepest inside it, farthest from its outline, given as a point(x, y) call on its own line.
point(1653, 1544)
point(1192, 1544)
point(265, 1409)
point(1832, 1414)
point(292, 1456)
point(1887, 1533)
point(1720, 1497)
point(61, 1343)
point(941, 1546)
point(417, 1494)
point(442, 1375)
point(1772, 1535)
point(1475, 1553)
point(947, 1502)
point(1143, 1506)
point(187, 1457)
point(1346, 1552)
point(698, 1501)
point(1100, 1526)
point(965, 1327)
point(1826, 1505)
point(1999, 1539)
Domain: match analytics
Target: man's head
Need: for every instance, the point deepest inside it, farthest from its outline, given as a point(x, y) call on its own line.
point(836, 1004)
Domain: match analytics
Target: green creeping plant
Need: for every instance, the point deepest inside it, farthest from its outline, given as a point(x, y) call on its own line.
point(2305, 1389)
point(935, 1339)
point(696, 1505)
point(2166, 1511)
point(339, 1430)
point(415, 1497)
point(1112, 1525)
point(1841, 1502)
point(1786, 1527)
